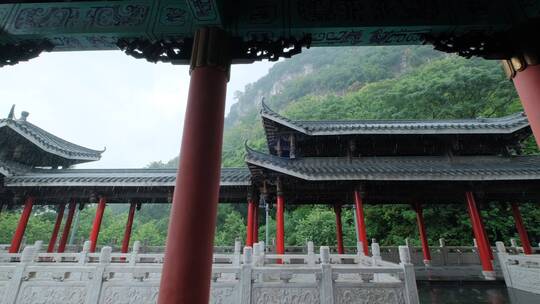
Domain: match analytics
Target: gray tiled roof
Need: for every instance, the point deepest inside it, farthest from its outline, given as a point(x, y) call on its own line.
point(9, 168)
point(116, 178)
point(501, 125)
point(49, 142)
point(402, 168)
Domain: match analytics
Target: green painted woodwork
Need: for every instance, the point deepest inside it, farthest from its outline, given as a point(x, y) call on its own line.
point(97, 25)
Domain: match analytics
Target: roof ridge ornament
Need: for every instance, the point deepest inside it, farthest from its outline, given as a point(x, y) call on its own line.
point(11, 114)
point(24, 116)
point(264, 106)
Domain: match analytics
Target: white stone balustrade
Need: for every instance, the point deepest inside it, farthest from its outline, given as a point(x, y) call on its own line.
point(248, 277)
point(520, 271)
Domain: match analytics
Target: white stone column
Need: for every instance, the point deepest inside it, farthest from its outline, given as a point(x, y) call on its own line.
point(94, 287)
point(443, 251)
point(237, 254)
point(502, 256)
point(409, 277)
point(134, 252)
point(310, 253)
point(327, 282)
point(14, 285)
point(245, 276)
point(375, 253)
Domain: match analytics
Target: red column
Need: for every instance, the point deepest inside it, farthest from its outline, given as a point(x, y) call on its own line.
point(127, 231)
point(188, 256)
point(280, 224)
point(21, 227)
point(249, 228)
point(483, 249)
point(483, 230)
point(361, 223)
point(521, 229)
point(97, 224)
point(255, 223)
point(422, 233)
point(339, 229)
point(56, 228)
point(527, 83)
point(67, 227)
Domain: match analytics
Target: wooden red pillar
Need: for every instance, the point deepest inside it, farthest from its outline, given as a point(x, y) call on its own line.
point(483, 246)
point(249, 228)
point(56, 228)
point(361, 222)
point(188, 256)
point(525, 71)
point(486, 237)
point(422, 234)
point(339, 230)
point(255, 223)
point(67, 228)
point(280, 224)
point(21, 227)
point(521, 229)
point(129, 225)
point(96, 226)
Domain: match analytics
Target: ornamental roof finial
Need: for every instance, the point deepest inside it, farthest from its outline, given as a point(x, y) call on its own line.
point(24, 116)
point(11, 114)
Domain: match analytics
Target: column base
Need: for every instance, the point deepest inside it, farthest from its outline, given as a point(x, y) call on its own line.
point(427, 263)
point(489, 275)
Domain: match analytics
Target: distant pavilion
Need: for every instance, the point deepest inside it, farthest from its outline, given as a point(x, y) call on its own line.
point(414, 162)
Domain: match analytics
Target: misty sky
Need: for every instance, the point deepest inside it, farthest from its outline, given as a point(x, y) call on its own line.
point(108, 99)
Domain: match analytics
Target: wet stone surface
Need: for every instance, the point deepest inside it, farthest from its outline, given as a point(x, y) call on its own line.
point(473, 292)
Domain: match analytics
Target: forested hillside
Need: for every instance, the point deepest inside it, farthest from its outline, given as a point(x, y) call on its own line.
point(346, 83)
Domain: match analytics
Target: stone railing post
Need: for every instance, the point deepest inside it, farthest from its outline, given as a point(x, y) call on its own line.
point(310, 253)
point(262, 254)
point(134, 252)
point(327, 284)
point(14, 284)
point(83, 255)
point(375, 253)
point(514, 245)
point(37, 249)
point(412, 251)
point(502, 256)
point(237, 255)
point(408, 275)
point(246, 276)
point(443, 251)
point(94, 287)
point(476, 250)
point(359, 248)
point(256, 254)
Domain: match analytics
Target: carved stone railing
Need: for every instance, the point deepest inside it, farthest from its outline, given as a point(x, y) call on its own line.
point(442, 255)
point(249, 277)
point(520, 271)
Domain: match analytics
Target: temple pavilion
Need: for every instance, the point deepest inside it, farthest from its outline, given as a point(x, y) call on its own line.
point(210, 35)
point(338, 163)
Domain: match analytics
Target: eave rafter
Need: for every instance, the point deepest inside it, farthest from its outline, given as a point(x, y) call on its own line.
point(163, 30)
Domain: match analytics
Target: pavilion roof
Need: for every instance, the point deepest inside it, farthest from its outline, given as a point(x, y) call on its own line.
point(499, 125)
point(9, 168)
point(50, 143)
point(116, 178)
point(402, 168)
